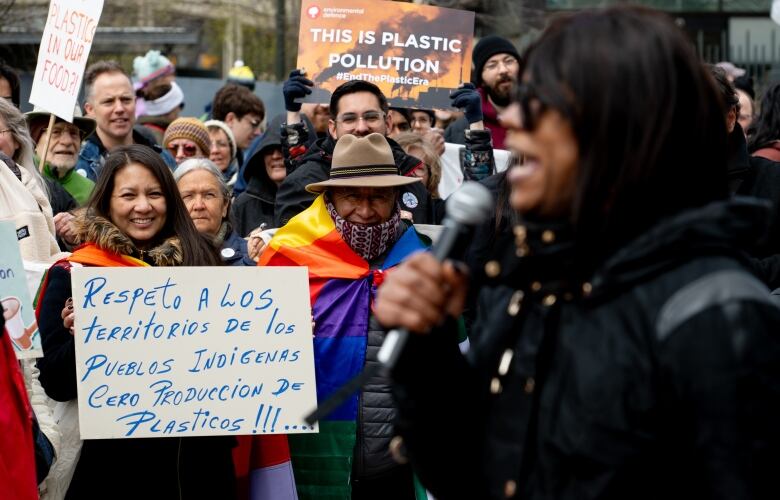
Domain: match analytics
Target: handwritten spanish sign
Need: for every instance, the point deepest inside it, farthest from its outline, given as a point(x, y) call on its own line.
point(416, 54)
point(15, 298)
point(62, 56)
point(193, 351)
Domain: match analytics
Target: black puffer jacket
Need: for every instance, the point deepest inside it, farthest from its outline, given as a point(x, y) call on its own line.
point(255, 206)
point(655, 378)
point(292, 197)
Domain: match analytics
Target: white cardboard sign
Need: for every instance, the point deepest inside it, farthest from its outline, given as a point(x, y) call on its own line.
point(62, 56)
point(193, 351)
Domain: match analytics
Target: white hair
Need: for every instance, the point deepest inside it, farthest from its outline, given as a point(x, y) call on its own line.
point(193, 164)
point(23, 156)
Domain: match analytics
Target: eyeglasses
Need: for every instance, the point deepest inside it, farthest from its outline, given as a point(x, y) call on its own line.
point(509, 62)
point(219, 144)
point(371, 118)
point(189, 150)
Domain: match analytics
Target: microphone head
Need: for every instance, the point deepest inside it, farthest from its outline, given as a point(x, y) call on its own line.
point(470, 205)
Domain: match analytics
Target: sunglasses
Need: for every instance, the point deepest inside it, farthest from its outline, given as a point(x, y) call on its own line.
point(189, 150)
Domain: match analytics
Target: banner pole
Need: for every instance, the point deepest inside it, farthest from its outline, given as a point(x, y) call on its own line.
point(42, 160)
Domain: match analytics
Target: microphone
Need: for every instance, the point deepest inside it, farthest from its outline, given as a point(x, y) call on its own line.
point(466, 208)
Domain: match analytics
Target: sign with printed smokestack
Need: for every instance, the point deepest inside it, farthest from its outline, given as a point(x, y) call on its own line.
point(62, 56)
point(416, 54)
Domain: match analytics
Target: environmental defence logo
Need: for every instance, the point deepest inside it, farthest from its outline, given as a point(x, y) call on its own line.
point(313, 12)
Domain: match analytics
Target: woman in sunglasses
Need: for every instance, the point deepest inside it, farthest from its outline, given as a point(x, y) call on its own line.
point(187, 138)
point(622, 347)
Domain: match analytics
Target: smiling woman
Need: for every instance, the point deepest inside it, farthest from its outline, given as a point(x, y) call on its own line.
point(135, 217)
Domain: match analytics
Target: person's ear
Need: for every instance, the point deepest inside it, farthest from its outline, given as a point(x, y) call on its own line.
point(89, 109)
point(332, 128)
point(230, 119)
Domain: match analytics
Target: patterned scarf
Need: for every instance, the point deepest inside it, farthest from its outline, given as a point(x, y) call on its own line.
point(368, 241)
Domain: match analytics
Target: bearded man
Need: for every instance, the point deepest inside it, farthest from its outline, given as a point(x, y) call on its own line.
point(496, 66)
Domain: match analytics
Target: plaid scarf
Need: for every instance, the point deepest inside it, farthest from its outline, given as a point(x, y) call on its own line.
point(368, 241)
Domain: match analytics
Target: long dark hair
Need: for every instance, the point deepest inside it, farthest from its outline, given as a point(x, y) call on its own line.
point(646, 115)
point(767, 125)
point(196, 249)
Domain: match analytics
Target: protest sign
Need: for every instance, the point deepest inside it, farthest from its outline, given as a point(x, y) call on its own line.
point(193, 351)
point(15, 298)
point(416, 54)
point(62, 56)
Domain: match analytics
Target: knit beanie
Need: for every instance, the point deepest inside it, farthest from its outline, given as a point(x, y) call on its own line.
point(191, 129)
point(229, 133)
point(241, 74)
point(150, 66)
point(486, 48)
point(173, 99)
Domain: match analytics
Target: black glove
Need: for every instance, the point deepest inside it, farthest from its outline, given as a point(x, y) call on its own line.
point(468, 99)
point(296, 86)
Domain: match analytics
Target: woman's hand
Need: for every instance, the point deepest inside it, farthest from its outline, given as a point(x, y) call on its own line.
point(420, 293)
point(68, 315)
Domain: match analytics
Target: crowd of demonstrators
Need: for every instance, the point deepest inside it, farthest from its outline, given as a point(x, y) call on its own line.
point(223, 149)
point(187, 138)
point(109, 99)
point(135, 217)
point(349, 236)
point(630, 352)
point(356, 108)
point(264, 172)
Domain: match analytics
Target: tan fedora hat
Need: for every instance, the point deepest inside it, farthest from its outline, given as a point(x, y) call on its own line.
point(362, 162)
point(38, 119)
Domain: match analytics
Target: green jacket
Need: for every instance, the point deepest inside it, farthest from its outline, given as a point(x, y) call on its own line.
point(74, 183)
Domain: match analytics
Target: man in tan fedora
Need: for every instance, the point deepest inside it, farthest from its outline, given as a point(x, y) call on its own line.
point(349, 236)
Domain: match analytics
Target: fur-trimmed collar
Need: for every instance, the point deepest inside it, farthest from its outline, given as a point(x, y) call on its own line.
point(103, 233)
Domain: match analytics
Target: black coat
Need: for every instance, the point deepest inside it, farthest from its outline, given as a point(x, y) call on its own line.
point(255, 206)
point(655, 378)
point(292, 197)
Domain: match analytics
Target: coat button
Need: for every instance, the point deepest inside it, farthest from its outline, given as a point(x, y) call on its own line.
point(515, 303)
point(587, 288)
point(548, 236)
point(510, 488)
point(529, 386)
point(549, 300)
point(495, 386)
point(536, 286)
point(492, 269)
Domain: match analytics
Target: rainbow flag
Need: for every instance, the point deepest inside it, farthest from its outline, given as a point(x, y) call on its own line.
point(341, 288)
